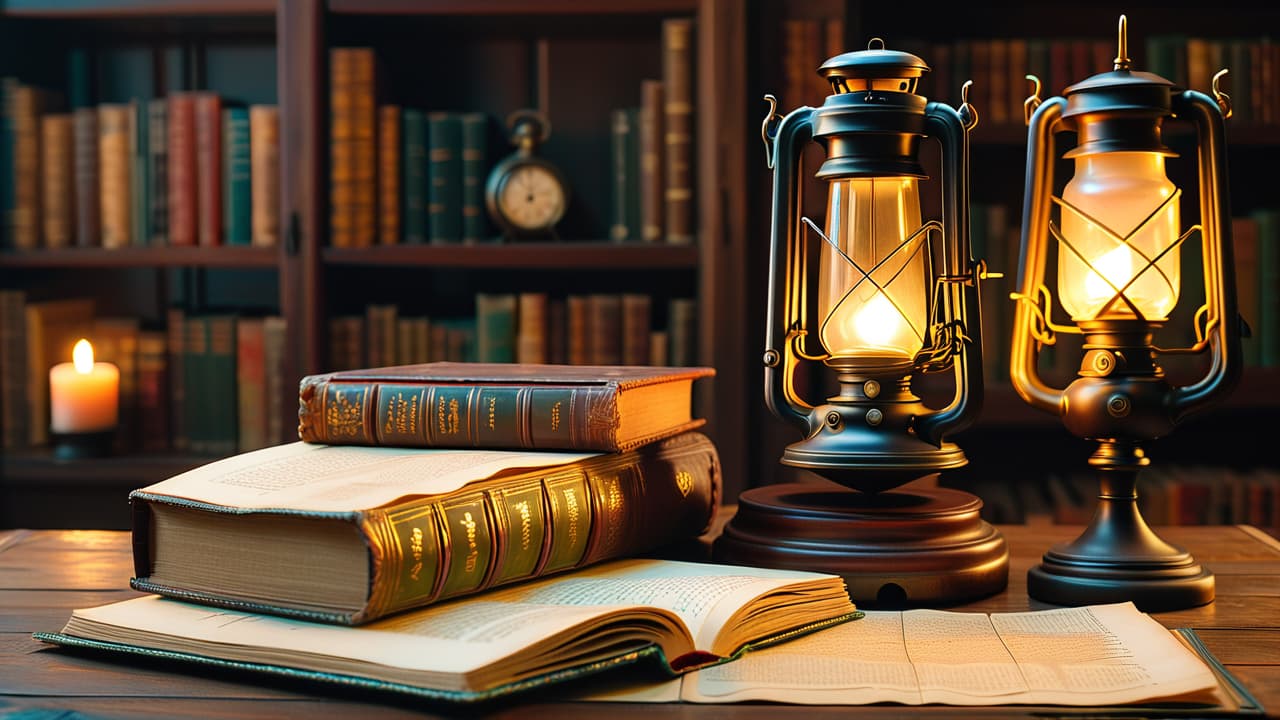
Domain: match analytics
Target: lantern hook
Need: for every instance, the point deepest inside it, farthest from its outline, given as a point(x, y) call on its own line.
point(769, 130)
point(1223, 99)
point(1033, 101)
point(968, 113)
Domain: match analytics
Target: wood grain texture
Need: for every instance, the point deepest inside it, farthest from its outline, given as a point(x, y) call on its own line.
point(57, 571)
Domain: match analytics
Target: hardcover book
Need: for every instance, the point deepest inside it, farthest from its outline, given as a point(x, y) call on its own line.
point(237, 208)
point(346, 534)
point(499, 405)
point(676, 616)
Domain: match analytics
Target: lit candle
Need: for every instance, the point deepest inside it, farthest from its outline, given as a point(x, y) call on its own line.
point(83, 394)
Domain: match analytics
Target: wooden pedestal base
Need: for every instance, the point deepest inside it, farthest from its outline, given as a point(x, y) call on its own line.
point(903, 548)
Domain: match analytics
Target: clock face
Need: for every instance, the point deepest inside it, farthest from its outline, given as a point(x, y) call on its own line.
point(532, 198)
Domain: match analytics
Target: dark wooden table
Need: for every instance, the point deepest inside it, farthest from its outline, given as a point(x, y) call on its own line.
point(44, 574)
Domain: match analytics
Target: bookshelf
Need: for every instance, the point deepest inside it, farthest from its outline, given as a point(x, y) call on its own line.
point(1018, 455)
point(580, 59)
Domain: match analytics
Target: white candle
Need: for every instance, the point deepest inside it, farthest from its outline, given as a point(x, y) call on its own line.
point(84, 396)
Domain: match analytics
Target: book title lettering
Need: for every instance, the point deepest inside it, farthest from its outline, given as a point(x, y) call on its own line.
point(447, 416)
point(555, 417)
point(571, 505)
point(415, 548)
point(473, 549)
point(402, 415)
point(493, 413)
point(526, 524)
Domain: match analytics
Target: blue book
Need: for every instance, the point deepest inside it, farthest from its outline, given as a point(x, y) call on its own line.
point(413, 182)
point(237, 198)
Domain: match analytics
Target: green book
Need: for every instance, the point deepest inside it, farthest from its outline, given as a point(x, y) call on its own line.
point(237, 198)
point(495, 328)
point(196, 398)
point(444, 195)
point(475, 134)
point(222, 429)
point(413, 181)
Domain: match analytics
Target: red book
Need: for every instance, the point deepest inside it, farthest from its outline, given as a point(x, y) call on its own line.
point(208, 120)
point(182, 169)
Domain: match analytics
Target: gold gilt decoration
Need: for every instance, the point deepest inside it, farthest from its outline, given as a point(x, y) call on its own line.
point(684, 482)
point(345, 415)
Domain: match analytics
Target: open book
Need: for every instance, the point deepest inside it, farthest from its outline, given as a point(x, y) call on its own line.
point(1096, 656)
point(687, 615)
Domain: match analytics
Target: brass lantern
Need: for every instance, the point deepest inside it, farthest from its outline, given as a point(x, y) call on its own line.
point(894, 296)
point(1118, 236)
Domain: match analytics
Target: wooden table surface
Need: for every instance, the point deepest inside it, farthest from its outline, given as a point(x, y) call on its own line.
point(44, 574)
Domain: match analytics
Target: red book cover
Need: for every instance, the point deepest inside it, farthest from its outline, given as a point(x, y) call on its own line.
point(182, 169)
point(208, 121)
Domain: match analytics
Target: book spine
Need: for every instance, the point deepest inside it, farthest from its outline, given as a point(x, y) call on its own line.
point(140, 211)
point(182, 170)
point(58, 171)
point(577, 330)
point(421, 414)
point(389, 175)
point(496, 328)
point(341, 149)
point(444, 196)
point(682, 317)
point(531, 335)
point(220, 385)
point(620, 137)
point(25, 219)
point(87, 192)
point(635, 329)
point(153, 392)
point(113, 177)
point(540, 524)
point(197, 402)
point(677, 79)
point(237, 210)
point(475, 133)
point(176, 343)
point(251, 395)
point(208, 117)
point(15, 415)
point(274, 340)
point(604, 313)
point(264, 171)
point(413, 183)
point(1268, 330)
point(364, 128)
point(158, 170)
point(650, 147)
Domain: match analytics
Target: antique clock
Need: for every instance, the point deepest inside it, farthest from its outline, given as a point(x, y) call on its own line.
point(525, 194)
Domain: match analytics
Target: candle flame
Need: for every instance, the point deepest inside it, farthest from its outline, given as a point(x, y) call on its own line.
point(877, 322)
point(82, 357)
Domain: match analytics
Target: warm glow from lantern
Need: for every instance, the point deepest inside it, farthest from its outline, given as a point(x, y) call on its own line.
point(1116, 194)
point(884, 316)
point(82, 357)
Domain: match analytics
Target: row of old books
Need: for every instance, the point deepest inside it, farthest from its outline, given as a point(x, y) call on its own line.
point(996, 234)
point(1174, 494)
point(651, 150)
point(531, 327)
point(205, 384)
point(998, 67)
point(187, 169)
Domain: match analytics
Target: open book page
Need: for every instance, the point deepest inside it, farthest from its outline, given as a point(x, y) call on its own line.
point(1099, 655)
point(536, 619)
point(340, 478)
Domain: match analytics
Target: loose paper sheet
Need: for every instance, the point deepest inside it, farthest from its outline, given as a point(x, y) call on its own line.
point(340, 478)
point(1098, 655)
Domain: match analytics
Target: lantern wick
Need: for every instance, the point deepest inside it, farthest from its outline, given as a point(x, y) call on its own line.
point(1122, 56)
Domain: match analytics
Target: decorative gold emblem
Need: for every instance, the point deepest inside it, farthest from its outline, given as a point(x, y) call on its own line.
point(345, 417)
point(684, 481)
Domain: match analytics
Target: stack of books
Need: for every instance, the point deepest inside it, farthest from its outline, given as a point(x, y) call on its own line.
point(415, 488)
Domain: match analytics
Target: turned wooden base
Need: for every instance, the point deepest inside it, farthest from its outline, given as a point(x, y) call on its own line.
point(903, 548)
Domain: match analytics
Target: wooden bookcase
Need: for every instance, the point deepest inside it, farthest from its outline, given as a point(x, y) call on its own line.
point(438, 56)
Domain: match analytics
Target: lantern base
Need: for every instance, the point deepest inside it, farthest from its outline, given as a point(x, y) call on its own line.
point(903, 548)
point(79, 446)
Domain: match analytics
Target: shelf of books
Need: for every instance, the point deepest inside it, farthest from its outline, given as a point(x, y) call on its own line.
point(598, 255)
point(141, 257)
point(135, 8)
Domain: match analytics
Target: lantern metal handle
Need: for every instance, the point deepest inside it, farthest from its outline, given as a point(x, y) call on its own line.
point(1036, 205)
point(1219, 266)
point(785, 313)
point(958, 277)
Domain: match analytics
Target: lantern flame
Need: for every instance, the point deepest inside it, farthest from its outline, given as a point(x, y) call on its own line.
point(877, 322)
point(82, 357)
